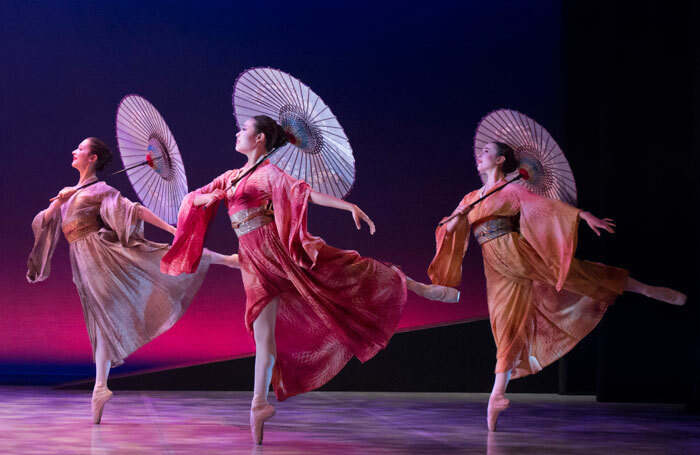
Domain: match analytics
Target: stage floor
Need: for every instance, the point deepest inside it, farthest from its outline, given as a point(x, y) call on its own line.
point(41, 420)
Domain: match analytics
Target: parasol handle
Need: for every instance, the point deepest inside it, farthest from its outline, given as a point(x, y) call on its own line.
point(522, 174)
point(143, 163)
point(78, 189)
point(149, 162)
point(261, 160)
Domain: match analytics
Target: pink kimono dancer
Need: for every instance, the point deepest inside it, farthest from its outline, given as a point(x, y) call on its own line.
point(331, 304)
point(126, 300)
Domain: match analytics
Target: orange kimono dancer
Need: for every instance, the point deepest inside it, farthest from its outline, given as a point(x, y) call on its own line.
point(541, 300)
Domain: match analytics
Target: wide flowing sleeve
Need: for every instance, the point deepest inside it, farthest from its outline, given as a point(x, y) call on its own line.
point(550, 226)
point(121, 216)
point(192, 225)
point(290, 199)
point(46, 235)
point(446, 267)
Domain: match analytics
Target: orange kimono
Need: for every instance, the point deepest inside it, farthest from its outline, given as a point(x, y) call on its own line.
point(541, 300)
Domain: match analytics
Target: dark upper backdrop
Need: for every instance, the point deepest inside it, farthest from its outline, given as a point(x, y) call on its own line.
point(408, 82)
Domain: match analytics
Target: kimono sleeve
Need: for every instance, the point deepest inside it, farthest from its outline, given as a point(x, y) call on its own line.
point(550, 226)
point(446, 267)
point(121, 216)
point(290, 198)
point(192, 225)
point(46, 235)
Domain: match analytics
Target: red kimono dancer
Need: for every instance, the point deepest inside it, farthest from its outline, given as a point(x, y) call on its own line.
point(310, 307)
point(331, 304)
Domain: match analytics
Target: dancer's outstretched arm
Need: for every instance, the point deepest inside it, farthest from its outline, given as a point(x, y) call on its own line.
point(151, 218)
point(336, 203)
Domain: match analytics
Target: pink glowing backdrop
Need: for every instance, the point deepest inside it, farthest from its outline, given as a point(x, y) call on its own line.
point(408, 84)
point(43, 323)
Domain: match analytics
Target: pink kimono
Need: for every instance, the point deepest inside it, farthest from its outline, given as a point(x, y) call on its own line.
point(334, 304)
point(116, 271)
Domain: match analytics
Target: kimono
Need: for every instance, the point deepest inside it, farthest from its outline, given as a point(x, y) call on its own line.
point(334, 304)
point(116, 271)
point(542, 300)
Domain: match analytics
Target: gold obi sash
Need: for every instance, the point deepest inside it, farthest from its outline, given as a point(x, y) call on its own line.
point(79, 228)
point(492, 227)
point(248, 220)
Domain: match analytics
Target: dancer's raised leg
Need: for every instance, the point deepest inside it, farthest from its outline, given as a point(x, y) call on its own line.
point(433, 291)
point(230, 260)
point(656, 292)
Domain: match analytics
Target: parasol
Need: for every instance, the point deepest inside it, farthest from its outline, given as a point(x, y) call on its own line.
point(542, 167)
point(145, 139)
point(548, 172)
point(318, 151)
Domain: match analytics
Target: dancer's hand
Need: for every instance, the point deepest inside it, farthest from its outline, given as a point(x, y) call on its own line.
point(358, 214)
point(458, 213)
point(64, 194)
point(596, 223)
point(208, 199)
point(463, 210)
point(172, 230)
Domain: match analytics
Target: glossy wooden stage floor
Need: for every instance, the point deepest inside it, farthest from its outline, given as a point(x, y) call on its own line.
point(40, 420)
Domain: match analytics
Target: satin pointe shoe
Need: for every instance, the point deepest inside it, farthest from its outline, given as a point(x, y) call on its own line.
point(667, 295)
point(100, 397)
point(258, 415)
point(494, 410)
point(438, 293)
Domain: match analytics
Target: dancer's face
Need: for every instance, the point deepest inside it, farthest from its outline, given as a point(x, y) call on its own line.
point(488, 158)
point(82, 157)
point(246, 139)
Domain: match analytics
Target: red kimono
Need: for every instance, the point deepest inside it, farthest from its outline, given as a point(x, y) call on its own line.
point(334, 304)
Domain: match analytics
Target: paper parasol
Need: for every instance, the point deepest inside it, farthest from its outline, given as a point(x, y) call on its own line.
point(539, 155)
point(148, 147)
point(318, 151)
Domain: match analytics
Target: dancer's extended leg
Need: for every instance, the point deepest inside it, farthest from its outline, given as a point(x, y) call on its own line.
point(230, 260)
point(433, 291)
point(655, 292)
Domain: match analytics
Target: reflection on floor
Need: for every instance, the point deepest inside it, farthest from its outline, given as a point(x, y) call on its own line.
point(39, 420)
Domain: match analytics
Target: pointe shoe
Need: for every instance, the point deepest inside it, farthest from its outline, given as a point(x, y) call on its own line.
point(258, 415)
point(100, 396)
point(439, 293)
point(667, 295)
point(494, 410)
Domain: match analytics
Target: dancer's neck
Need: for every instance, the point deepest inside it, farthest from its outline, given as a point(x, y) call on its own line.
point(253, 157)
point(86, 175)
point(493, 176)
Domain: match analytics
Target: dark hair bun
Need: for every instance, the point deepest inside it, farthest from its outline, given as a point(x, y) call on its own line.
point(281, 138)
point(275, 136)
point(104, 154)
point(511, 163)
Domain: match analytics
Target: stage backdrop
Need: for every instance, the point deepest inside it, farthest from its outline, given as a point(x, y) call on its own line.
point(407, 82)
